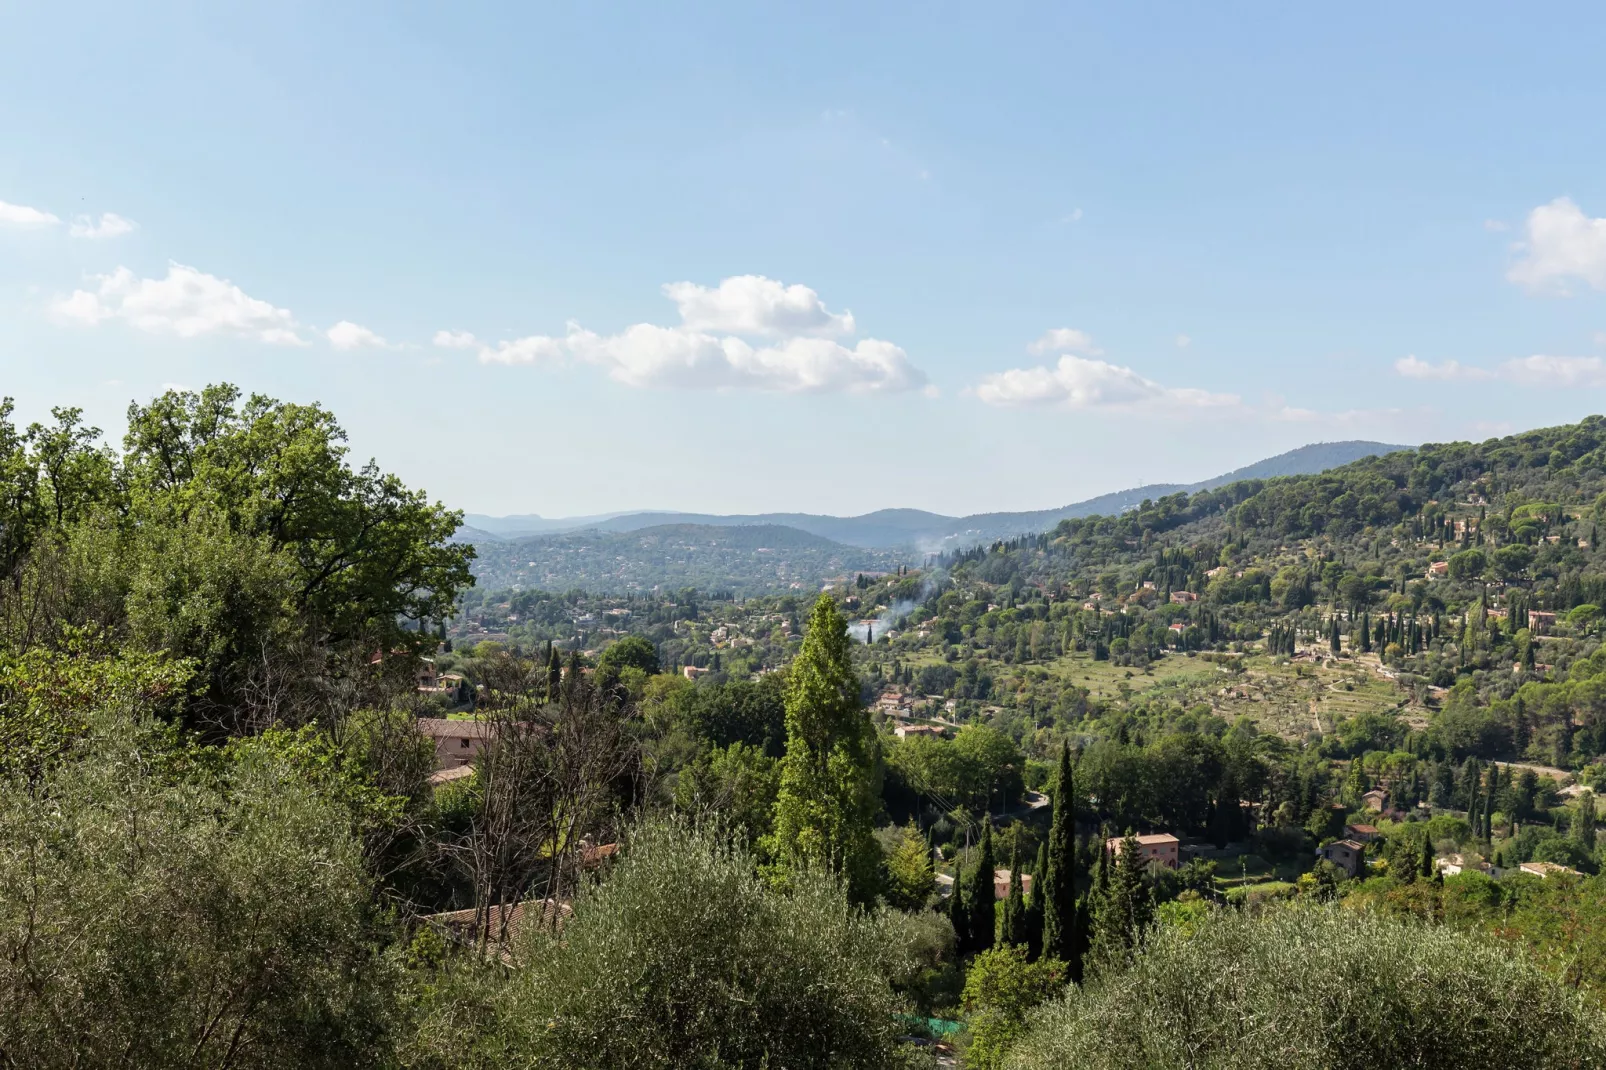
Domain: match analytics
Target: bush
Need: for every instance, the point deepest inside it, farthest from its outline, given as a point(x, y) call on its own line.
point(685, 958)
point(1316, 988)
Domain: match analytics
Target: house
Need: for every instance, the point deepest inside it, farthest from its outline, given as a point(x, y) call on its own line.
point(692, 672)
point(501, 924)
point(1547, 869)
point(913, 731)
point(1347, 855)
point(1454, 864)
point(1438, 570)
point(1377, 800)
point(1147, 585)
point(1183, 597)
point(1161, 847)
point(1001, 883)
point(457, 742)
point(1540, 621)
point(1361, 833)
point(1178, 626)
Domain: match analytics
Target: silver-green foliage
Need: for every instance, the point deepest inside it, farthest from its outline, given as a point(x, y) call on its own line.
point(157, 911)
point(1306, 988)
point(685, 958)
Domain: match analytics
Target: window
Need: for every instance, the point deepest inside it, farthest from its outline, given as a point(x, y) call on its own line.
point(463, 743)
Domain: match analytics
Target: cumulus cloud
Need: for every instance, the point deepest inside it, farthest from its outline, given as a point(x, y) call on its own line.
point(1561, 244)
point(1080, 380)
point(455, 340)
point(348, 335)
point(1085, 382)
point(1537, 370)
point(747, 333)
point(753, 304)
point(110, 225)
point(20, 215)
point(1183, 341)
point(187, 303)
point(1412, 368)
point(1065, 340)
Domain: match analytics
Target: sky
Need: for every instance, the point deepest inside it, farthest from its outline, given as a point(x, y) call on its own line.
point(579, 258)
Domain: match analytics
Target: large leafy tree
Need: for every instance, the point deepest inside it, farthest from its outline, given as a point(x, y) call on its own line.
point(824, 815)
point(233, 532)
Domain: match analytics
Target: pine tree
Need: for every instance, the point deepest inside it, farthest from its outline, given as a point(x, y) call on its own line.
point(1056, 881)
point(825, 810)
point(980, 897)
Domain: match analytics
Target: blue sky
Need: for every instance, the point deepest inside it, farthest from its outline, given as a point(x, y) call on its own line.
point(820, 257)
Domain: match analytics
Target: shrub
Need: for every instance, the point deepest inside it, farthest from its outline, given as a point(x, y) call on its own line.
point(1314, 988)
point(683, 957)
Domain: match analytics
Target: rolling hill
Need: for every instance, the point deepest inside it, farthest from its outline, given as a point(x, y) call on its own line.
point(917, 529)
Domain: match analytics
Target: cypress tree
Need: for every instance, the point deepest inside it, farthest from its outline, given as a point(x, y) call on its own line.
point(980, 898)
point(1425, 869)
point(1055, 883)
point(554, 673)
point(1584, 825)
point(1012, 928)
point(958, 915)
point(1033, 921)
point(825, 809)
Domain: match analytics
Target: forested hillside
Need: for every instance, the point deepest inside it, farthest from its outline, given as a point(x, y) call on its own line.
point(1282, 770)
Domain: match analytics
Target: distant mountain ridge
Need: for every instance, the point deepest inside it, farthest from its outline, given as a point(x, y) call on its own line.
point(917, 528)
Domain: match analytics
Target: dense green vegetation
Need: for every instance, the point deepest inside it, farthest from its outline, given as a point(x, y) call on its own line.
point(698, 829)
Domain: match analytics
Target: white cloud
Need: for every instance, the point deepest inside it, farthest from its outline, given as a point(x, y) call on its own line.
point(187, 303)
point(1412, 368)
point(1495, 225)
point(111, 225)
point(1537, 370)
point(20, 215)
point(1183, 341)
point(1562, 243)
point(537, 349)
point(753, 304)
point(1065, 340)
point(348, 335)
point(455, 340)
point(1084, 383)
point(1074, 217)
point(793, 352)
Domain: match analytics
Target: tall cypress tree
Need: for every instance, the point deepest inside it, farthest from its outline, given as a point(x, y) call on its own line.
point(825, 810)
point(1034, 905)
point(554, 673)
point(1056, 884)
point(980, 898)
point(958, 915)
point(1012, 927)
point(1584, 824)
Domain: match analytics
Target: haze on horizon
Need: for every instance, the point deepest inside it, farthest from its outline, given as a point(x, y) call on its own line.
point(572, 260)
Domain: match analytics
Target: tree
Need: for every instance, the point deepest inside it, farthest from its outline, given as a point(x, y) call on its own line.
point(1270, 990)
point(633, 651)
point(1584, 822)
point(825, 811)
point(980, 895)
point(1012, 924)
point(1122, 914)
point(684, 957)
point(1467, 565)
point(1056, 883)
point(909, 879)
point(1001, 987)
